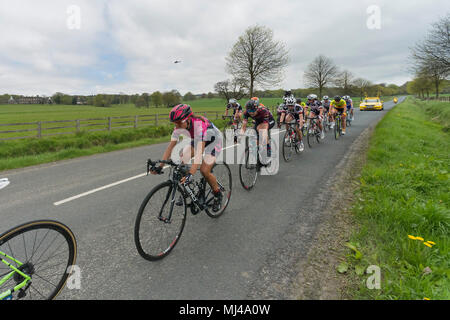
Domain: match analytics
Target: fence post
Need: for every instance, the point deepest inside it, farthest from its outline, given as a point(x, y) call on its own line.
point(156, 119)
point(135, 121)
point(109, 123)
point(39, 129)
point(78, 125)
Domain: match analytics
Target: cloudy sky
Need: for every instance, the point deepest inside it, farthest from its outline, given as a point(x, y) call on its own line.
point(99, 46)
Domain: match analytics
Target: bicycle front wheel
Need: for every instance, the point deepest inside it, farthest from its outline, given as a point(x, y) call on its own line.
point(288, 146)
point(45, 251)
point(248, 171)
point(160, 222)
point(337, 128)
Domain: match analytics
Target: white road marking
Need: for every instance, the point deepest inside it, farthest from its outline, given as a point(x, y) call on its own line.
point(111, 185)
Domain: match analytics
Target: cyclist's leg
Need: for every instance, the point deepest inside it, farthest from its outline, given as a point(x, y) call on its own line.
point(343, 117)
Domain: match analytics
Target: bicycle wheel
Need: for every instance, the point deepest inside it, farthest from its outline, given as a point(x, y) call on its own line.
point(154, 237)
point(46, 251)
point(311, 136)
point(337, 128)
point(248, 170)
point(288, 146)
point(222, 173)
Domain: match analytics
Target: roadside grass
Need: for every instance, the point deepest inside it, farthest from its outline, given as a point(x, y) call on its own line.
point(403, 202)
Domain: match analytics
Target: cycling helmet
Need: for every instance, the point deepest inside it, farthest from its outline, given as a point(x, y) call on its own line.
point(290, 101)
point(298, 100)
point(232, 101)
point(251, 104)
point(326, 98)
point(255, 99)
point(337, 98)
point(180, 112)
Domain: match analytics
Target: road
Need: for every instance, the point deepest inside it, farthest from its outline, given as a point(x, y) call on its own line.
point(249, 252)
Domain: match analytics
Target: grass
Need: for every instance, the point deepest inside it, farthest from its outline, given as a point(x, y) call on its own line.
point(404, 192)
point(32, 151)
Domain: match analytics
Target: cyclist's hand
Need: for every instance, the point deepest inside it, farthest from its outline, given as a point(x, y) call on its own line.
point(156, 170)
point(186, 179)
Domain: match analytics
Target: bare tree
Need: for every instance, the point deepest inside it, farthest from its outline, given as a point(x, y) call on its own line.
point(228, 89)
point(344, 81)
point(257, 58)
point(431, 57)
point(320, 72)
point(362, 85)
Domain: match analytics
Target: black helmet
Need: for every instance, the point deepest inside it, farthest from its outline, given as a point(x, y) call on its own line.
point(337, 98)
point(298, 100)
point(251, 104)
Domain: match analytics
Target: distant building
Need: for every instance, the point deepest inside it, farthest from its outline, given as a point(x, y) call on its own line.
point(31, 100)
point(11, 100)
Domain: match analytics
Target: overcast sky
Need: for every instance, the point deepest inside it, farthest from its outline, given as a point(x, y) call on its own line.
point(98, 46)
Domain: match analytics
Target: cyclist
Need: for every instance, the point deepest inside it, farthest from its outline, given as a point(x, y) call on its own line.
point(263, 122)
point(282, 107)
point(237, 110)
point(339, 105)
point(326, 102)
point(294, 111)
point(349, 106)
point(204, 137)
point(316, 109)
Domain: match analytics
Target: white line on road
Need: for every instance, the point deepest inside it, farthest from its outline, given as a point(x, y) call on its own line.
point(110, 185)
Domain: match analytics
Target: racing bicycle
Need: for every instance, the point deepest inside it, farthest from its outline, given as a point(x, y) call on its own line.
point(162, 215)
point(36, 259)
point(313, 131)
point(290, 142)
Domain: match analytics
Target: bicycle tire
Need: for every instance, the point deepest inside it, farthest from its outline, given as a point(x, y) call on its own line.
point(337, 128)
point(248, 169)
point(228, 185)
point(150, 237)
point(287, 146)
point(34, 260)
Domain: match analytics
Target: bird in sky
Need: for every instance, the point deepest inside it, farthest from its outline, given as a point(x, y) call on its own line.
point(177, 61)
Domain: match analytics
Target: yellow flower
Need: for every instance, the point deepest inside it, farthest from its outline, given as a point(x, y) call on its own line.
point(431, 242)
point(425, 298)
point(411, 237)
point(427, 244)
point(419, 238)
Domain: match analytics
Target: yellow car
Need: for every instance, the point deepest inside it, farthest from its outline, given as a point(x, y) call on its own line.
point(371, 103)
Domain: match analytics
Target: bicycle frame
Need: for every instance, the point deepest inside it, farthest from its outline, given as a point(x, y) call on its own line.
point(25, 282)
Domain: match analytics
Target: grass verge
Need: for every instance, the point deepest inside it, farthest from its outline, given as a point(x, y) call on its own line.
point(402, 203)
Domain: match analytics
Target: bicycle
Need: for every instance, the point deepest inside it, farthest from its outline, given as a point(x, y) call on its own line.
point(338, 125)
point(290, 142)
point(232, 124)
point(348, 119)
point(36, 259)
point(313, 131)
point(162, 215)
point(252, 164)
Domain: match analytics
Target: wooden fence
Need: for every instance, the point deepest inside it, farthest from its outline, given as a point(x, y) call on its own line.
point(445, 99)
point(39, 129)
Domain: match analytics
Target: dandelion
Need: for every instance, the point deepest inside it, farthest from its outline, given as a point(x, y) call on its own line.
point(419, 238)
point(431, 242)
point(427, 244)
point(412, 237)
point(425, 298)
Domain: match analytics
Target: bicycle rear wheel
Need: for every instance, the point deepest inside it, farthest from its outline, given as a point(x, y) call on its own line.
point(154, 235)
point(46, 251)
point(222, 173)
point(248, 170)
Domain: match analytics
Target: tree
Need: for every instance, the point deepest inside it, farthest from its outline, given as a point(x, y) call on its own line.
point(156, 98)
point(102, 100)
point(257, 58)
point(344, 81)
point(362, 85)
point(189, 96)
point(143, 101)
point(171, 98)
point(229, 89)
point(320, 72)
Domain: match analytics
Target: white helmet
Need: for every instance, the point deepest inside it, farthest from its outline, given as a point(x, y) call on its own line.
point(232, 101)
point(326, 98)
point(290, 101)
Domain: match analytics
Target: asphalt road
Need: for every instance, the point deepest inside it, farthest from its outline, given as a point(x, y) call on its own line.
point(249, 252)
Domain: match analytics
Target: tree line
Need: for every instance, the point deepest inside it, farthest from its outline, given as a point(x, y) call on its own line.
point(430, 60)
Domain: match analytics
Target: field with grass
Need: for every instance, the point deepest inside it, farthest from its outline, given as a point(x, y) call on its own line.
point(402, 205)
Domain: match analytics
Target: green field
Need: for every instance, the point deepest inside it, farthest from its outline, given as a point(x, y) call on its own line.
point(403, 202)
